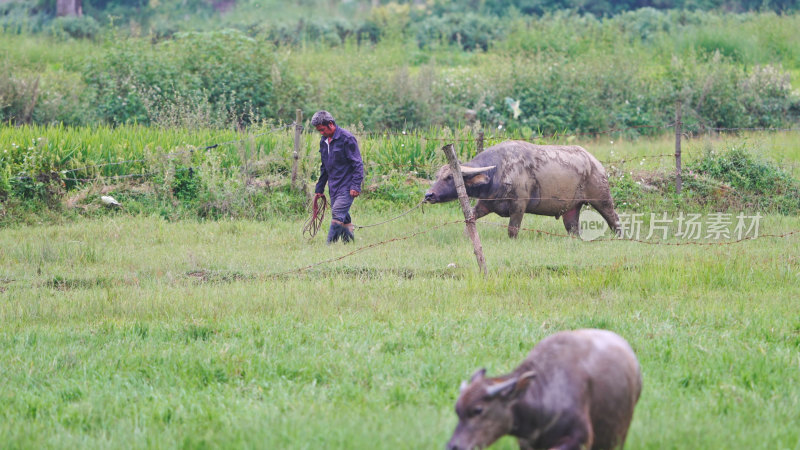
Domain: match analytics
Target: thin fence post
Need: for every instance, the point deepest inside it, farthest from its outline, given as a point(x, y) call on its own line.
point(479, 142)
point(472, 230)
point(678, 175)
point(297, 129)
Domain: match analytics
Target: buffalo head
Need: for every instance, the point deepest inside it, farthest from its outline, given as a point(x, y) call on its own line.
point(444, 189)
point(485, 409)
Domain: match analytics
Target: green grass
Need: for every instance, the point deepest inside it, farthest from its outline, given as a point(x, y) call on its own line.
point(136, 332)
point(68, 148)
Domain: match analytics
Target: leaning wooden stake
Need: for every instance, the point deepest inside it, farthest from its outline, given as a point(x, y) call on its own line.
point(472, 230)
point(297, 129)
point(678, 174)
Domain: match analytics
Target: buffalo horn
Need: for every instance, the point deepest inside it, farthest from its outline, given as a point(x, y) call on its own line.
point(473, 170)
point(496, 388)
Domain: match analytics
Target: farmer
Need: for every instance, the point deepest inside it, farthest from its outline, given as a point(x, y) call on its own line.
point(343, 171)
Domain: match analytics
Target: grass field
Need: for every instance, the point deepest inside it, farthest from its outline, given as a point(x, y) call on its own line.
point(136, 332)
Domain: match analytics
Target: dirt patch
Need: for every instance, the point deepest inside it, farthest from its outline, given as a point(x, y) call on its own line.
point(213, 276)
point(67, 284)
point(371, 273)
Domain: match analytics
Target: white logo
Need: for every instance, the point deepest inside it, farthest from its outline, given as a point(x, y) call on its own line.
point(592, 225)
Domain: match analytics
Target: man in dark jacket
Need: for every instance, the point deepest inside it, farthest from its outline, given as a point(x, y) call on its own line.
point(342, 170)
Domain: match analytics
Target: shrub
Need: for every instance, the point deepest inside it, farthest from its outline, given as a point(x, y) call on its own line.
point(83, 27)
point(186, 184)
point(236, 75)
point(468, 31)
point(760, 183)
point(21, 17)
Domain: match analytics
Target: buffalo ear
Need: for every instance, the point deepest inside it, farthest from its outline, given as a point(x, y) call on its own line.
point(480, 373)
point(478, 180)
point(502, 388)
point(511, 386)
point(524, 378)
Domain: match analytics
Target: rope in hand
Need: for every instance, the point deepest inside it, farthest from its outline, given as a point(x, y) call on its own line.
point(314, 222)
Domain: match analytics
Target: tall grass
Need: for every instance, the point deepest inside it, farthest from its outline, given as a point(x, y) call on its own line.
point(95, 151)
point(171, 171)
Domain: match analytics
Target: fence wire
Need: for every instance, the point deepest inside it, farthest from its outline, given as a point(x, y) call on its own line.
point(534, 230)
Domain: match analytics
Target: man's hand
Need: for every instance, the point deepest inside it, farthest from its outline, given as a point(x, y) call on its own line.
point(318, 195)
point(354, 193)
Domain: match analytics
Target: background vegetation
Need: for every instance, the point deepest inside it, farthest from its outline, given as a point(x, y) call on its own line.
point(95, 100)
point(403, 66)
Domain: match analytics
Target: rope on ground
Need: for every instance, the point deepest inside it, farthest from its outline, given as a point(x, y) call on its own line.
point(358, 227)
point(435, 227)
point(361, 249)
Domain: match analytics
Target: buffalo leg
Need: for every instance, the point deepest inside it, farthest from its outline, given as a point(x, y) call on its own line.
point(606, 209)
point(480, 210)
point(571, 220)
point(580, 437)
point(514, 224)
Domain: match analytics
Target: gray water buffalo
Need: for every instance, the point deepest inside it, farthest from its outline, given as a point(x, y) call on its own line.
point(575, 390)
point(516, 177)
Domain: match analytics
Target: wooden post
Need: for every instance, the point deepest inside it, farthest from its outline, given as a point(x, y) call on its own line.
point(678, 176)
point(480, 141)
point(297, 129)
point(472, 230)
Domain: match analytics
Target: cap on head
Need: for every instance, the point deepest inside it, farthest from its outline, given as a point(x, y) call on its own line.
point(322, 118)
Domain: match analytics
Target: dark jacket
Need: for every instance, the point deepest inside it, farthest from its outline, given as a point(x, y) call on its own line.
point(341, 167)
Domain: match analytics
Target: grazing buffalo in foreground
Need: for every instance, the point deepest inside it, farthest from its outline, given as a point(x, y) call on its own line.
point(575, 390)
point(516, 177)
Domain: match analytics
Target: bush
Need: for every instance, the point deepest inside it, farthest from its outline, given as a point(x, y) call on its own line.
point(83, 27)
point(759, 183)
point(328, 33)
point(186, 184)
point(467, 31)
point(239, 79)
point(20, 17)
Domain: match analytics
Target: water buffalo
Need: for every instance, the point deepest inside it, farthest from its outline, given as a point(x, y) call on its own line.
point(575, 390)
point(516, 177)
